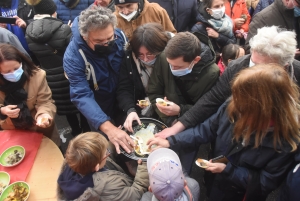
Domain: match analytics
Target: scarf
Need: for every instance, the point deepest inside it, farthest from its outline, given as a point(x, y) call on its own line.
point(16, 95)
point(223, 25)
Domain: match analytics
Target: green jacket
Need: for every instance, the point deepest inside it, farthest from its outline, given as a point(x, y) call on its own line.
point(203, 76)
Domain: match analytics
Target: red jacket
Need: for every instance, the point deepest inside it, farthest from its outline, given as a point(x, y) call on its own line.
point(239, 8)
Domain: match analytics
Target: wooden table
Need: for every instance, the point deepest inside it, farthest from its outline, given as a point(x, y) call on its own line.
point(43, 175)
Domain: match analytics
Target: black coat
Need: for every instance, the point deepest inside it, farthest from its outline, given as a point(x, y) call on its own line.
point(48, 38)
point(208, 104)
point(130, 87)
point(202, 18)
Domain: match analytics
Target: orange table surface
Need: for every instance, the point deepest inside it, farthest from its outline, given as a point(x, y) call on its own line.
point(43, 175)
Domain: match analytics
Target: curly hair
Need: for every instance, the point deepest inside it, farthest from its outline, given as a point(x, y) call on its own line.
point(94, 18)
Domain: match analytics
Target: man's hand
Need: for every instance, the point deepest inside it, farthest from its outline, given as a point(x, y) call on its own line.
point(167, 132)
point(170, 110)
point(117, 137)
point(239, 22)
point(129, 119)
point(212, 33)
point(44, 120)
point(11, 111)
point(19, 22)
point(215, 167)
point(159, 142)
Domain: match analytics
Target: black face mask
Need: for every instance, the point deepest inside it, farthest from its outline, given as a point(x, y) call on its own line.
point(101, 49)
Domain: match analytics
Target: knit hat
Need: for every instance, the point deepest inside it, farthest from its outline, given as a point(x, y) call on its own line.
point(43, 6)
point(165, 174)
point(126, 1)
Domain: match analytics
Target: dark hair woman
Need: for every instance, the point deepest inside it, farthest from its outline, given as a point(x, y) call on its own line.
point(147, 42)
point(257, 130)
point(25, 97)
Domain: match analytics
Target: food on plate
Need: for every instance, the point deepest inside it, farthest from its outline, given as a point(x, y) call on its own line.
point(19, 193)
point(14, 157)
point(163, 102)
point(143, 135)
point(2, 187)
point(201, 163)
point(143, 103)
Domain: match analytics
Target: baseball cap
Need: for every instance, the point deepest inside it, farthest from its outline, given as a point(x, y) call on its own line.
point(165, 174)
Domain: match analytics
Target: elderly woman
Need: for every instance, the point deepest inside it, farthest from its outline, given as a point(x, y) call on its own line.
point(92, 63)
point(25, 97)
point(270, 45)
point(147, 42)
point(134, 13)
point(257, 131)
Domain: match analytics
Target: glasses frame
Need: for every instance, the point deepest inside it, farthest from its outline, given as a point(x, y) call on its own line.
point(114, 37)
point(108, 152)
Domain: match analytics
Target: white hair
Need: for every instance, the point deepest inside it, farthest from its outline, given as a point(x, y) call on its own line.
point(95, 17)
point(278, 44)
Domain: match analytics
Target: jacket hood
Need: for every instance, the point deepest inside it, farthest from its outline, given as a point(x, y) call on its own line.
point(41, 31)
point(207, 55)
point(73, 184)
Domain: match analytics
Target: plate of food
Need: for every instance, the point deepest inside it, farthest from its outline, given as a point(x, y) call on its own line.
point(4, 180)
point(141, 134)
point(201, 163)
point(18, 190)
point(12, 156)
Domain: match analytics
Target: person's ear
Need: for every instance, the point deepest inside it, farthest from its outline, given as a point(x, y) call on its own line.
point(149, 189)
point(97, 167)
point(84, 38)
point(229, 60)
point(197, 59)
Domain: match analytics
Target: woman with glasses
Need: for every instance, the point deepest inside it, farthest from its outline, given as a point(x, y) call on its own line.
point(147, 42)
point(91, 173)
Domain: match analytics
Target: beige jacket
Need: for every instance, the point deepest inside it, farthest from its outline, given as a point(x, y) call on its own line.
point(152, 12)
point(39, 101)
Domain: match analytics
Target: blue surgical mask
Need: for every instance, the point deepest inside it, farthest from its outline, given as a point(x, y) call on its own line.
point(296, 11)
point(181, 72)
point(148, 63)
point(14, 76)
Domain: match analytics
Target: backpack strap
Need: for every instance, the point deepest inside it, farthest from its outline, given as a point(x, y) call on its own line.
point(89, 70)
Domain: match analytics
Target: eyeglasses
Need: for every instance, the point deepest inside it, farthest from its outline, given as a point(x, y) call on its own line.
point(106, 155)
point(112, 38)
point(150, 57)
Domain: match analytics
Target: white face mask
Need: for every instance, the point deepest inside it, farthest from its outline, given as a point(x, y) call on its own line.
point(251, 63)
point(128, 17)
point(218, 13)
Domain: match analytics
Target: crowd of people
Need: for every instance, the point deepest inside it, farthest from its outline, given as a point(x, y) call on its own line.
point(228, 70)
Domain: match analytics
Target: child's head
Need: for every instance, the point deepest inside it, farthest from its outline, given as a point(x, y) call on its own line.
point(86, 152)
point(231, 52)
point(165, 175)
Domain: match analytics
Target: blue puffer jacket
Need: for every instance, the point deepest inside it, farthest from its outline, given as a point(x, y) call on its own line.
point(256, 171)
point(65, 13)
point(97, 105)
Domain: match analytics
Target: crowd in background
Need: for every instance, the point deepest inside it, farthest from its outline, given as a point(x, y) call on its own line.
point(227, 72)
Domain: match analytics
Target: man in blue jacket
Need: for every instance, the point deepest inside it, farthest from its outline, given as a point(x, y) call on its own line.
point(92, 62)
